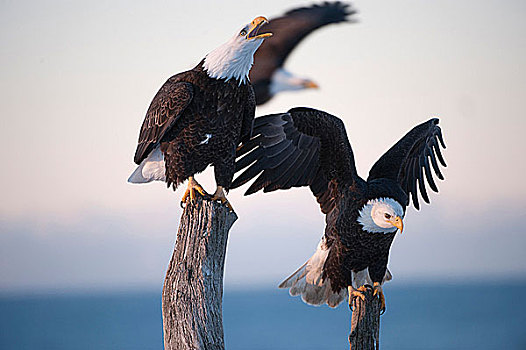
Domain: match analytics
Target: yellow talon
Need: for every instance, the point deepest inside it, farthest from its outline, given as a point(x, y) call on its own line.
point(193, 186)
point(185, 196)
point(378, 290)
point(220, 195)
point(353, 293)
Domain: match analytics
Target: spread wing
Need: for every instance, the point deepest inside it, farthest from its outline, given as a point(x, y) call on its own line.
point(164, 111)
point(407, 161)
point(289, 30)
point(303, 147)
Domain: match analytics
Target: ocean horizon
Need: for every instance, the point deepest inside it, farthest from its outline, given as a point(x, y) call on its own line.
point(426, 316)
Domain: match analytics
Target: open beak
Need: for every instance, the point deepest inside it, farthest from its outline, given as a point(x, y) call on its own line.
point(398, 223)
point(255, 25)
point(310, 85)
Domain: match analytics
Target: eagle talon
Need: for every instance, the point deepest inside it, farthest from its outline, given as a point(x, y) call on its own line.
point(219, 195)
point(356, 293)
point(191, 191)
point(359, 293)
point(378, 291)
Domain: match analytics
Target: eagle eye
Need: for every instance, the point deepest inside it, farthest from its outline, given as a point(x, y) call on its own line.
point(387, 215)
point(243, 32)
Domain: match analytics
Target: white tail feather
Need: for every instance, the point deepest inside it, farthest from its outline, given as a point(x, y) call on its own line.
point(151, 169)
point(294, 278)
point(307, 281)
point(388, 276)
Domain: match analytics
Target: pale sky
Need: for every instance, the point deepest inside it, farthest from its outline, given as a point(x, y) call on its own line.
point(77, 78)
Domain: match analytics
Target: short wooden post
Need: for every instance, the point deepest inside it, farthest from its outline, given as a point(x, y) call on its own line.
point(193, 287)
point(365, 322)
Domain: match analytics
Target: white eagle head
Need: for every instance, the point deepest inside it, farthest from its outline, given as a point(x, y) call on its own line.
point(234, 58)
point(382, 215)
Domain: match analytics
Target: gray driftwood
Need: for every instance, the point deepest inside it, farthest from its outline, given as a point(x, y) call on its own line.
point(365, 322)
point(193, 287)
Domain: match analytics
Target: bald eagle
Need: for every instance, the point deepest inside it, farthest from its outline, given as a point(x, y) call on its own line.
point(268, 75)
point(198, 118)
point(308, 147)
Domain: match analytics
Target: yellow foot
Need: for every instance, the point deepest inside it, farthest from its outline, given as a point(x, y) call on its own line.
point(220, 195)
point(355, 293)
point(378, 291)
point(191, 190)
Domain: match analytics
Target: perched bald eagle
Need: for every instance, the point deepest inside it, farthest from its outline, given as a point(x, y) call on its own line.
point(268, 75)
point(308, 147)
point(198, 118)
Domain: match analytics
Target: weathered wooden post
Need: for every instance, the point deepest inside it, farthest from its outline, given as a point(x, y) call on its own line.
point(193, 287)
point(365, 322)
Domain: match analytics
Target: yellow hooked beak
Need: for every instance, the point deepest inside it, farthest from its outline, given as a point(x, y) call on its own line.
point(397, 222)
point(255, 25)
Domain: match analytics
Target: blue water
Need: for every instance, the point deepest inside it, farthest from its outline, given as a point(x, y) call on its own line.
point(423, 317)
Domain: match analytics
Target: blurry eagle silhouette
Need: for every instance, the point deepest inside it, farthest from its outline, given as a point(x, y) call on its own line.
point(308, 147)
point(268, 75)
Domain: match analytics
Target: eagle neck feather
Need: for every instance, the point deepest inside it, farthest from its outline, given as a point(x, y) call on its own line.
point(231, 60)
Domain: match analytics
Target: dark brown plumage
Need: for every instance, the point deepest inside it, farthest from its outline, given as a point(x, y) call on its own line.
point(307, 147)
point(187, 108)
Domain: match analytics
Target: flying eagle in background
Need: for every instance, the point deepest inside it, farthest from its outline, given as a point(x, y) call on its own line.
point(268, 75)
point(199, 117)
point(308, 147)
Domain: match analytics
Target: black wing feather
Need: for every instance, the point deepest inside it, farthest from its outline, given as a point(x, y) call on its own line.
point(435, 164)
point(288, 154)
point(421, 183)
point(311, 163)
point(408, 160)
point(429, 176)
point(164, 111)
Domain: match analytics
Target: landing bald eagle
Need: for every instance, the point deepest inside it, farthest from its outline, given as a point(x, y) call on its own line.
point(268, 75)
point(198, 118)
point(308, 147)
